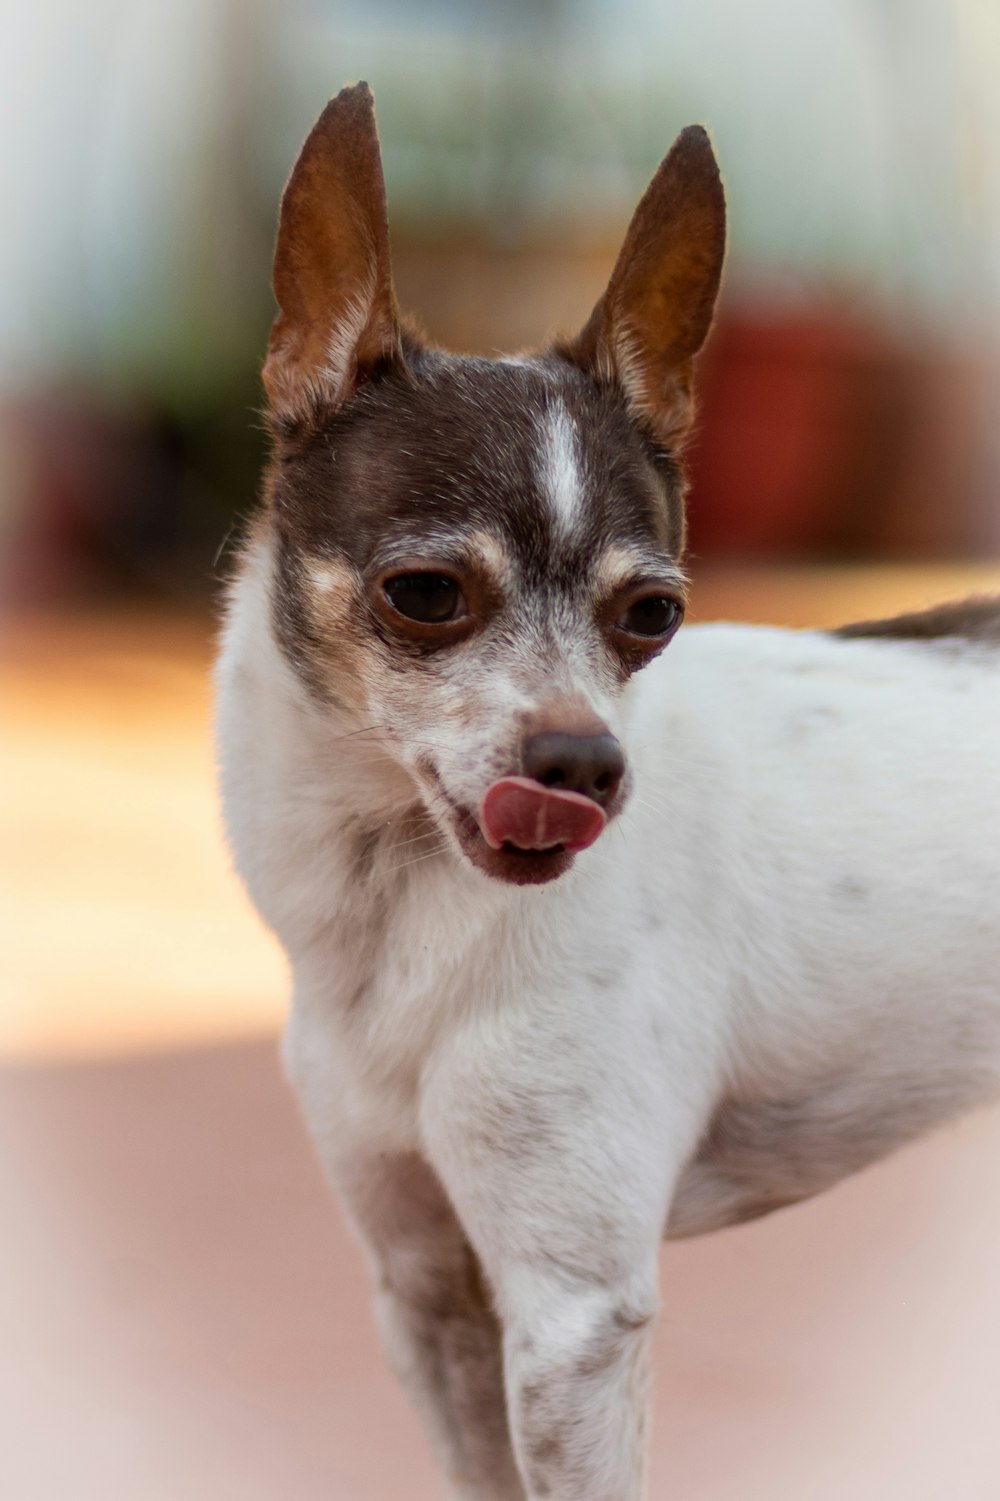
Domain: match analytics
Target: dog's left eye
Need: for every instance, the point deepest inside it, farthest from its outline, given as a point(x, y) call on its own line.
point(654, 615)
point(430, 598)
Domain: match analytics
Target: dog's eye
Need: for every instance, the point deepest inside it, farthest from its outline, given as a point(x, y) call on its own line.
point(653, 615)
point(430, 598)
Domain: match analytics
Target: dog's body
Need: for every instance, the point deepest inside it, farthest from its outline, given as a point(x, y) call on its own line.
point(523, 1065)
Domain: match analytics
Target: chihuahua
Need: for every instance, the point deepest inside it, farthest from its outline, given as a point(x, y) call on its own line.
point(598, 932)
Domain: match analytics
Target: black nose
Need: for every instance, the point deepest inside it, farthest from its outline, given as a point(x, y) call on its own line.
point(591, 764)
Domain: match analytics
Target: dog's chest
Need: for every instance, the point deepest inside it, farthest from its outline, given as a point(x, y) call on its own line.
point(446, 967)
point(395, 975)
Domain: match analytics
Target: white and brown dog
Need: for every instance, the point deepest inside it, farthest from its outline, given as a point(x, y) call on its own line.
point(592, 941)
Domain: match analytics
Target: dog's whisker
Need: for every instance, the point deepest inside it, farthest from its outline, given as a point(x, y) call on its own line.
point(394, 870)
point(644, 802)
point(422, 740)
point(239, 520)
point(368, 729)
point(371, 729)
point(402, 843)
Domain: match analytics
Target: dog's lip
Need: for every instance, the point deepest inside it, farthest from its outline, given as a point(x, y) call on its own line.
point(516, 867)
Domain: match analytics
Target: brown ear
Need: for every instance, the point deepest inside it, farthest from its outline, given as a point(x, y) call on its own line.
point(332, 278)
point(653, 318)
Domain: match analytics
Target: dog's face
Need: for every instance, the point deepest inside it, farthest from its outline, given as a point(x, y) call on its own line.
point(474, 556)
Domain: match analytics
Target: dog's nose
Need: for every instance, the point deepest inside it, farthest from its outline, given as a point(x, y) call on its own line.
point(591, 764)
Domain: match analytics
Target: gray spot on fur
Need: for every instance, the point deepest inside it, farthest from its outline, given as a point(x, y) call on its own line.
point(546, 1402)
point(814, 719)
point(546, 1452)
point(631, 1320)
point(850, 890)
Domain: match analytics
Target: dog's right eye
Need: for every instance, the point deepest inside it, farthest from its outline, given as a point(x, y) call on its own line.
point(430, 598)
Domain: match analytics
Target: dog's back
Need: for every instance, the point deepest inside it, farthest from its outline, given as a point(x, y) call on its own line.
point(959, 622)
point(841, 800)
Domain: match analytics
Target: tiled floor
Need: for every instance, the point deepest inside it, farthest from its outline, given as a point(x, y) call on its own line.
point(182, 1313)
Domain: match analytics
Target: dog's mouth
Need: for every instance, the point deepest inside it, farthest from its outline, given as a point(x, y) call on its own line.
point(527, 815)
point(526, 833)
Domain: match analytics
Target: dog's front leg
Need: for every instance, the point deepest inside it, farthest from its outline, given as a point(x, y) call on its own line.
point(562, 1186)
point(577, 1367)
point(436, 1319)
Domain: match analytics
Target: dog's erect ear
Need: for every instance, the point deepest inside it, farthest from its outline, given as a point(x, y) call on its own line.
point(653, 318)
point(337, 319)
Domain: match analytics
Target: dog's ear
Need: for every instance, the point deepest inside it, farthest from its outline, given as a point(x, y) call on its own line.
point(337, 321)
point(653, 318)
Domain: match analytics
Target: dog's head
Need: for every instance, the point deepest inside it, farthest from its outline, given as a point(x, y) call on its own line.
point(474, 556)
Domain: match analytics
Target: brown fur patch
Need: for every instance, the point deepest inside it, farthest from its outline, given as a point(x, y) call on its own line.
point(323, 636)
point(332, 280)
point(447, 456)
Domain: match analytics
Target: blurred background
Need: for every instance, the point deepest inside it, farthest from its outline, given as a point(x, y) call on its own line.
point(848, 394)
point(178, 1300)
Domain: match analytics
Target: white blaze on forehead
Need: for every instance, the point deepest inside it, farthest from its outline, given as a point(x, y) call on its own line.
point(562, 479)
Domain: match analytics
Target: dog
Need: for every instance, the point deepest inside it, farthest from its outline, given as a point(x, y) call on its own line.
point(599, 930)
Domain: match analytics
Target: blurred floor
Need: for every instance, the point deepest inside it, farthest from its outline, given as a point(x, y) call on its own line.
point(122, 923)
point(182, 1312)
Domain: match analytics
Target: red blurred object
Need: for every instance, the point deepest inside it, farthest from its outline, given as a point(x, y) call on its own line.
point(800, 419)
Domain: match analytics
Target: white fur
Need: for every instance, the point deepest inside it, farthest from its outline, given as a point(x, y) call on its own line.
point(799, 905)
point(342, 342)
point(561, 479)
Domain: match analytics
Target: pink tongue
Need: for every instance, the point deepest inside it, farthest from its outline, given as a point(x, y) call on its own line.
point(523, 813)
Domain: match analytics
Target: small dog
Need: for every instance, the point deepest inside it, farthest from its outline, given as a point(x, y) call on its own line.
point(592, 940)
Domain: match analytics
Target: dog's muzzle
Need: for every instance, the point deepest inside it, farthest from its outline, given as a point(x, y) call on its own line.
point(531, 824)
